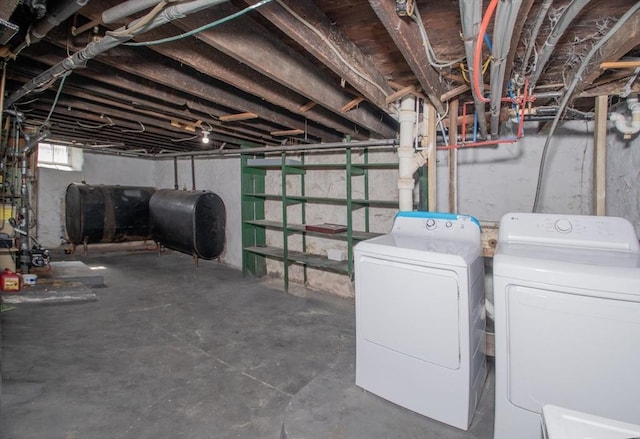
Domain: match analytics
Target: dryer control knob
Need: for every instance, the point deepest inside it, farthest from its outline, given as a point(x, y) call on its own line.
point(431, 224)
point(563, 226)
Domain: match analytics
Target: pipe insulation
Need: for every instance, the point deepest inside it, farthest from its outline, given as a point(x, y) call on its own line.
point(408, 160)
point(124, 10)
point(558, 31)
point(628, 125)
point(42, 27)
point(505, 21)
point(109, 41)
point(471, 16)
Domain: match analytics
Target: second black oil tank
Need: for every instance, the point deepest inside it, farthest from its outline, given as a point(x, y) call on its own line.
point(191, 222)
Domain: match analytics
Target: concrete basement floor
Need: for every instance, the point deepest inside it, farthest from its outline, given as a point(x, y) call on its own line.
point(171, 351)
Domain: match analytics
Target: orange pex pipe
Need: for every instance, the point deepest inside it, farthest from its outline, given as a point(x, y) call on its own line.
point(478, 53)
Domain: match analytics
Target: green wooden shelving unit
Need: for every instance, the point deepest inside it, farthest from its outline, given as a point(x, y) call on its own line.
point(255, 224)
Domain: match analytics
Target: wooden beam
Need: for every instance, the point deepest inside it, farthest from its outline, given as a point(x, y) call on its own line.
point(453, 156)
point(406, 36)
point(353, 103)
point(308, 106)
point(248, 42)
point(455, 92)
point(600, 157)
point(401, 93)
point(286, 132)
point(305, 23)
point(625, 39)
point(620, 65)
point(238, 116)
point(221, 67)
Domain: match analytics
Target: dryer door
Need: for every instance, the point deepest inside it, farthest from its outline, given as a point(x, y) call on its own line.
point(409, 308)
point(574, 351)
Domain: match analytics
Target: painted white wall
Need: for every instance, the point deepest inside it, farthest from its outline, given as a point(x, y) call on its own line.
point(492, 181)
point(623, 177)
point(498, 179)
point(220, 175)
point(97, 169)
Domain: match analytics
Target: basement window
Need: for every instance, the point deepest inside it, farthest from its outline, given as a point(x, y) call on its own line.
point(60, 157)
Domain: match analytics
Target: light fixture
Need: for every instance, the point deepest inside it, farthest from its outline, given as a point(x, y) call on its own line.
point(205, 137)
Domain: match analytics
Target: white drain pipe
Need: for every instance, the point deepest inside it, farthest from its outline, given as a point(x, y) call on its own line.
point(408, 160)
point(626, 127)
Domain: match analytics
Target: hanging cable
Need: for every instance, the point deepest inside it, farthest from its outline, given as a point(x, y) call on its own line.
point(534, 34)
point(330, 44)
point(428, 48)
point(199, 29)
point(55, 101)
point(569, 91)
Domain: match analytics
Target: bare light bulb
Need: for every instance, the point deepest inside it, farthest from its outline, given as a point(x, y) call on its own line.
point(205, 137)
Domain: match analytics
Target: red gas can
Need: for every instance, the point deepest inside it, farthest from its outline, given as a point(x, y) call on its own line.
point(9, 281)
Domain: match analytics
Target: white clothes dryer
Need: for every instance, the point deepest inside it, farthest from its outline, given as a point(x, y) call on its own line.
point(567, 319)
point(420, 315)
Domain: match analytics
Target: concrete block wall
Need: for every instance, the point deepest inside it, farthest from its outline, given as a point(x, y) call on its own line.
point(492, 181)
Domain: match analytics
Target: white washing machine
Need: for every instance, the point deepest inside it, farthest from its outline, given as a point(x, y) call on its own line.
point(567, 319)
point(420, 315)
point(562, 423)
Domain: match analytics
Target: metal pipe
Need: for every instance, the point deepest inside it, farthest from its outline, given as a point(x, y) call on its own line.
point(268, 149)
point(175, 173)
point(193, 173)
point(42, 27)
point(109, 41)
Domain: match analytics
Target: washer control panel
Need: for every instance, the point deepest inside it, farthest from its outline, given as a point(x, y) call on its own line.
point(593, 232)
point(436, 225)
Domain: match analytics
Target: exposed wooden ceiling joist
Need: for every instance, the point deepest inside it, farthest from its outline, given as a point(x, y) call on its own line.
point(406, 35)
point(249, 43)
point(305, 23)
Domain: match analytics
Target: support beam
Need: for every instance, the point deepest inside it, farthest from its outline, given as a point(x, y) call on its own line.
point(600, 157)
point(453, 156)
point(305, 23)
point(406, 36)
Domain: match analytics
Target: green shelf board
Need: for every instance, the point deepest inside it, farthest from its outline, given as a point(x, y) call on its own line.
point(314, 261)
point(293, 199)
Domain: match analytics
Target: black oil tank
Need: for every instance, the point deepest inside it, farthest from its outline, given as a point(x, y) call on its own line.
point(107, 214)
point(191, 222)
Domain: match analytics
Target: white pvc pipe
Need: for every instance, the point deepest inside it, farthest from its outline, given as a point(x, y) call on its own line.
point(408, 160)
point(628, 127)
point(405, 153)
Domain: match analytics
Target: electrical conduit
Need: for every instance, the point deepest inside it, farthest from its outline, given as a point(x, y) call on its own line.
point(558, 30)
point(506, 17)
point(471, 15)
